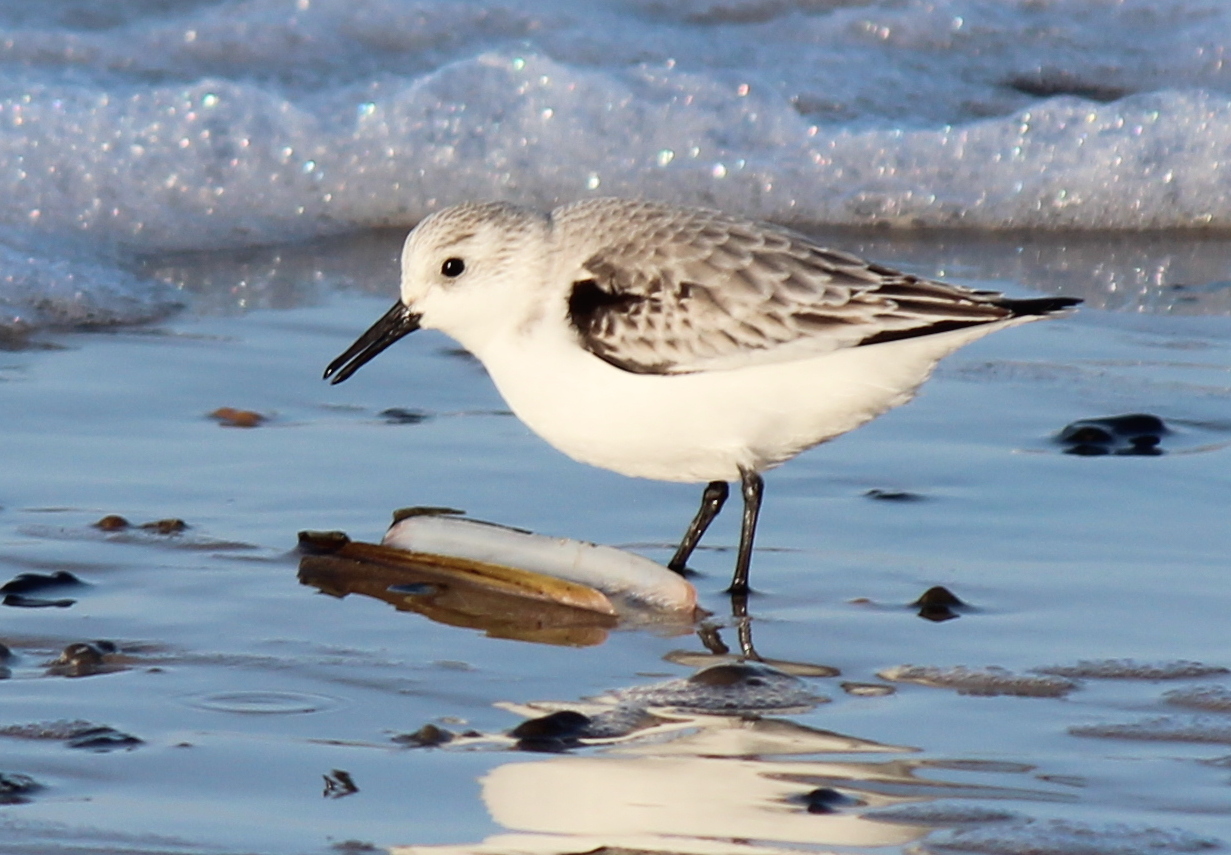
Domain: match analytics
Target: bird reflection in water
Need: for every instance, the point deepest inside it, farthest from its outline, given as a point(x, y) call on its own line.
point(709, 764)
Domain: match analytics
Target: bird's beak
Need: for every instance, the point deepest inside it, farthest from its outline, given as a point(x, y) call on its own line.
point(397, 322)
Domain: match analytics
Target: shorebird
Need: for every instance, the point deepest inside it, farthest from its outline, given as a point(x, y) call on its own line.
point(679, 344)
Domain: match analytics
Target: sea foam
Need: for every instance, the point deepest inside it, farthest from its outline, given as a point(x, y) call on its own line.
point(223, 124)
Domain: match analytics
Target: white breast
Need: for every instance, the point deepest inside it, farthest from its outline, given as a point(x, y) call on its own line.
point(706, 425)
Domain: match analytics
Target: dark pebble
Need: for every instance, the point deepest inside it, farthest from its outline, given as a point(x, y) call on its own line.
point(938, 604)
point(167, 526)
point(112, 522)
point(236, 418)
point(938, 595)
point(1086, 449)
point(1129, 434)
point(102, 739)
point(81, 653)
point(1081, 433)
point(554, 732)
point(1053, 84)
point(427, 736)
point(15, 789)
point(546, 746)
point(1145, 443)
point(84, 658)
point(937, 614)
point(893, 495)
point(21, 601)
point(339, 783)
point(322, 542)
point(28, 583)
point(402, 416)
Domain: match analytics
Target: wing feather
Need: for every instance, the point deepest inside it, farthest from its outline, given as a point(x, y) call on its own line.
point(683, 290)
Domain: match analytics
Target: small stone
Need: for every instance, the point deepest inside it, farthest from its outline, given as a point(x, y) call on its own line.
point(1080, 433)
point(553, 733)
point(81, 653)
point(402, 416)
point(562, 725)
point(428, 736)
point(938, 604)
point(938, 595)
point(167, 526)
point(101, 739)
point(85, 658)
point(232, 417)
point(893, 495)
point(15, 789)
point(21, 601)
point(27, 583)
point(112, 522)
point(322, 542)
point(339, 783)
point(1129, 434)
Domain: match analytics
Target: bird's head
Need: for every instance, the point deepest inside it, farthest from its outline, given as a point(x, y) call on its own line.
point(464, 271)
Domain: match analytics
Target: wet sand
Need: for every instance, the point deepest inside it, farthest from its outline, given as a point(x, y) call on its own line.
point(250, 692)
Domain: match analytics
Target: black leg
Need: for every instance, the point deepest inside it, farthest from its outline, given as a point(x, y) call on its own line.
point(743, 626)
point(708, 633)
point(752, 486)
point(712, 500)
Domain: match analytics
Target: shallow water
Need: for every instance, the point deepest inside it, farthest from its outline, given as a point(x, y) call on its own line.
point(249, 691)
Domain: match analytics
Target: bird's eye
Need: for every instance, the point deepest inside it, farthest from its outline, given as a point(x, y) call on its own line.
point(453, 267)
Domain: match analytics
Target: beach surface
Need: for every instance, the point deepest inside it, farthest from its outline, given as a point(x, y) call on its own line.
point(1081, 693)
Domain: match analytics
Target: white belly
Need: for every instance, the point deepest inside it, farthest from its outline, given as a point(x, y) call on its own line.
point(706, 426)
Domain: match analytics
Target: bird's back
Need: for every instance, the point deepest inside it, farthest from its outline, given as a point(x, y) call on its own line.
point(657, 289)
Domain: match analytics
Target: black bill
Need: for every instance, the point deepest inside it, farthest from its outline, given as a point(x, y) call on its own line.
point(397, 322)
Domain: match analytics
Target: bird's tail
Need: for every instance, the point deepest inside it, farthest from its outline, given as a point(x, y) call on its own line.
point(1037, 305)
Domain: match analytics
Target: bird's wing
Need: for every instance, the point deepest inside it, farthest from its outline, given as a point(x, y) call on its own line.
point(710, 293)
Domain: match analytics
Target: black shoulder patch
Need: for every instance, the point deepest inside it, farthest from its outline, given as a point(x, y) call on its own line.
point(587, 302)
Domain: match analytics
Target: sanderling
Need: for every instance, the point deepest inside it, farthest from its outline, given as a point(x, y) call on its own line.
point(679, 344)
